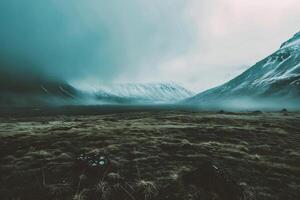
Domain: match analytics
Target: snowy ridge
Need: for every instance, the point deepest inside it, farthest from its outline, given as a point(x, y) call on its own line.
point(277, 77)
point(146, 93)
point(293, 42)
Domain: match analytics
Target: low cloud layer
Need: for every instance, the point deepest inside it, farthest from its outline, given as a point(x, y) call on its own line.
point(232, 35)
point(197, 43)
point(93, 39)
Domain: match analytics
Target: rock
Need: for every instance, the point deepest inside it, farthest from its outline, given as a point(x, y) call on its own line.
point(64, 157)
point(94, 165)
point(114, 177)
point(257, 112)
point(221, 112)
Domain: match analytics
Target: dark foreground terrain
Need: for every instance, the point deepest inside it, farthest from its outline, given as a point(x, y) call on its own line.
point(158, 154)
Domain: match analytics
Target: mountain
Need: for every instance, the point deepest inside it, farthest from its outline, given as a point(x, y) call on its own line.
point(273, 82)
point(150, 93)
point(21, 88)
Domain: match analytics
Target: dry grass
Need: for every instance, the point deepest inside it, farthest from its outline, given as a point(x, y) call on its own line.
point(149, 151)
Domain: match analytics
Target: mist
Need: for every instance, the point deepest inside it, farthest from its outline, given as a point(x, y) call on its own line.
point(242, 104)
point(90, 40)
point(198, 44)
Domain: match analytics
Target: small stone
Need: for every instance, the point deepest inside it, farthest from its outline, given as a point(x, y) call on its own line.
point(64, 156)
point(114, 176)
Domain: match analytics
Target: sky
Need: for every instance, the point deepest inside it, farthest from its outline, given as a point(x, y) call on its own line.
point(198, 44)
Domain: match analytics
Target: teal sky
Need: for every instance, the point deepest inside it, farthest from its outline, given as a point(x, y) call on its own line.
point(92, 39)
point(196, 43)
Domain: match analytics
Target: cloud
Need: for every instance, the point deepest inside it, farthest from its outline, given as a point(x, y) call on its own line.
point(231, 35)
point(91, 39)
point(197, 43)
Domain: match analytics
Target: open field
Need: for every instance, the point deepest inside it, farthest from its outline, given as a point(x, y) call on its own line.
point(151, 154)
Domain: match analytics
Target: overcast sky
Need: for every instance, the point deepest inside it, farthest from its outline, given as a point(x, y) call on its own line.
point(197, 43)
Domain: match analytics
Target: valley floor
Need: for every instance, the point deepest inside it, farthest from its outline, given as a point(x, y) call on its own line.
point(150, 155)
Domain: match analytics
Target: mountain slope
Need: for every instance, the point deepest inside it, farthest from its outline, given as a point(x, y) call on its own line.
point(21, 88)
point(33, 89)
point(143, 93)
point(272, 82)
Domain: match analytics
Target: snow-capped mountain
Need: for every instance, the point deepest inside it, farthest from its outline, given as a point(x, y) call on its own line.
point(143, 93)
point(18, 89)
point(272, 82)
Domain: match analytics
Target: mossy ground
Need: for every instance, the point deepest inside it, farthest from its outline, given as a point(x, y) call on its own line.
point(149, 150)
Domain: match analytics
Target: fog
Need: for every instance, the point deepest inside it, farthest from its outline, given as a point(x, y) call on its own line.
point(93, 39)
point(198, 44)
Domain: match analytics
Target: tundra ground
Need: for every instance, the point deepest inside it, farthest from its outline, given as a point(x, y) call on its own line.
point(150, 153)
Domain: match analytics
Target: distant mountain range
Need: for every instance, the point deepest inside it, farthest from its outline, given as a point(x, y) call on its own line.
point(32, 90)
point(150, 93)
point(29, 89)
point(273, 82)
